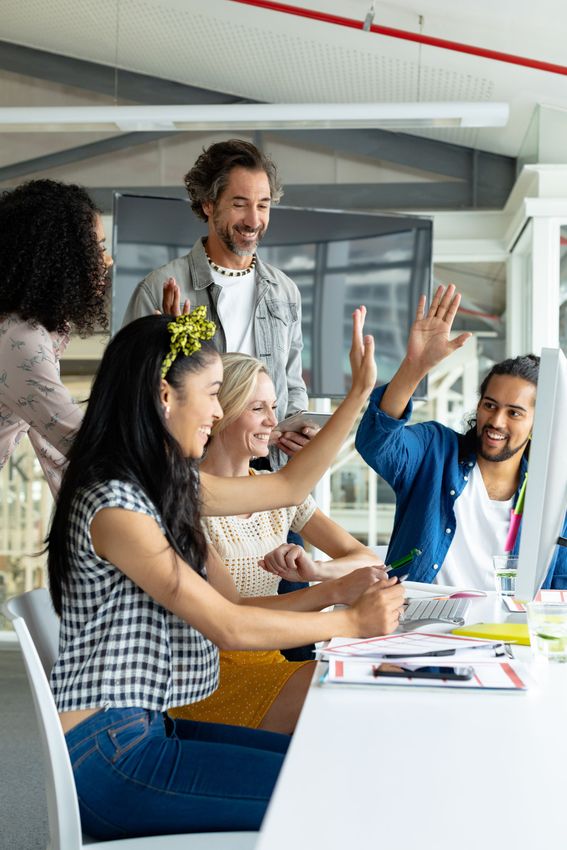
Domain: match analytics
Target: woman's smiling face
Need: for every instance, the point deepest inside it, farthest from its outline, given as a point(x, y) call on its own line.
point(250, 433)
point(192, 411)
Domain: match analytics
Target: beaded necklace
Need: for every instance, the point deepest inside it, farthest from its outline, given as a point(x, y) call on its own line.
point(231, 272)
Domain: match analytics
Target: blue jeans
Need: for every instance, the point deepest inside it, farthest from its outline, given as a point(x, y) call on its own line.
point(139, 772)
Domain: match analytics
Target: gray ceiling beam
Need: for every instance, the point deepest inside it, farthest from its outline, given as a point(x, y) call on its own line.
point(478, 168)
point(343, 196)
point(77, 154)
point(104, 79)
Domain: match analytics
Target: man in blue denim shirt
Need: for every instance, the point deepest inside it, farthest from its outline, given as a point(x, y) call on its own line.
point(431, 467)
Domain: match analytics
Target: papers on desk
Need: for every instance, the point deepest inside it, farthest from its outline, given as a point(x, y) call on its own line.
point(499, 675)
point(354, 661)
point(517, 607)
point(409, 644)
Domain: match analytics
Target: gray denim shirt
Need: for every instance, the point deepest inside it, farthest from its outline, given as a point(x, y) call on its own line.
point(277, 317)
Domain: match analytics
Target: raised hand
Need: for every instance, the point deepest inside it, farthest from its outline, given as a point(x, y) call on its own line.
point(429, 341)
point(171, 299)
point(362, 363)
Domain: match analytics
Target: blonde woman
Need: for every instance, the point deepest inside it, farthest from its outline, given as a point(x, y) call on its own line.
point(261, 689)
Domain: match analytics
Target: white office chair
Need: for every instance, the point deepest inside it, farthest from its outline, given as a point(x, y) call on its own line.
point(37, 628)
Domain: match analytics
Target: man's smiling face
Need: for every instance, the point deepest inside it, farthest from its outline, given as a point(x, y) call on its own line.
point(239, 217)
point(504, 417)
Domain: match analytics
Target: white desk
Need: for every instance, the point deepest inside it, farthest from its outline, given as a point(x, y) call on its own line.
point(406, 769)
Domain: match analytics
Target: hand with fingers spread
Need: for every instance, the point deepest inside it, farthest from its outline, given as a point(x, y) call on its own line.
point(429, 341)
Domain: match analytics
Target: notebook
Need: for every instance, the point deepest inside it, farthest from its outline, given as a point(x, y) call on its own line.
point(508, 632)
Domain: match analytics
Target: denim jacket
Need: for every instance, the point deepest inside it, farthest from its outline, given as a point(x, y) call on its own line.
point(277, 319)
point(428, 466)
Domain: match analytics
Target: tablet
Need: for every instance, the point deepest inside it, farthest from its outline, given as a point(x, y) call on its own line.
point(303, 419)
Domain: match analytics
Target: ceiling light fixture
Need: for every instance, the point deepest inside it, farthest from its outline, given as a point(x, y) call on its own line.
point(251, 116)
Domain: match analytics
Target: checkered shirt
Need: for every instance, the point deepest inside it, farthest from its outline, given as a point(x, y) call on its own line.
point(117, 646)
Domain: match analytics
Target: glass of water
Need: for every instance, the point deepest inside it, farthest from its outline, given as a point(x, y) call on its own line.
point(505, 570)
point(547, 624)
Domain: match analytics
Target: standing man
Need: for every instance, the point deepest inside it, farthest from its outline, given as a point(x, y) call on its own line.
point(256, 307)
point(454, 492)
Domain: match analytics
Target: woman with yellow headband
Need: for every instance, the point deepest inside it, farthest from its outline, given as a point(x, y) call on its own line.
point(140, 622)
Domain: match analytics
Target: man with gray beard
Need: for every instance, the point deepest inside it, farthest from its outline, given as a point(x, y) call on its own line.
point(256, 307)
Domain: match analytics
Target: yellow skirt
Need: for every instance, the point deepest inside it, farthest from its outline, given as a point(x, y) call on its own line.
point(250, 681)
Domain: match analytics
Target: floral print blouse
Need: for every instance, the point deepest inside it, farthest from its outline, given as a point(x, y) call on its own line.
point(33, 400)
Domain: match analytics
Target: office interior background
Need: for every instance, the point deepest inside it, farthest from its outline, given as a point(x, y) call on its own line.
point(497, 195)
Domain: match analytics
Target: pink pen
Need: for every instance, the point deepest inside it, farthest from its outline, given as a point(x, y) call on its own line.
point(515, 518)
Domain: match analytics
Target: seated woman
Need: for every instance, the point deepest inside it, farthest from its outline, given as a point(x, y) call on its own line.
point(261, 689)
point(140, 620)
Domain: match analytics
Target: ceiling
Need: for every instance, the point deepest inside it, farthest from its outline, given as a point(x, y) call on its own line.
point(57, 52)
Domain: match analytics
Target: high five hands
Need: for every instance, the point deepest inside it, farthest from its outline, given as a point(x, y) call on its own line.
point(429, 341)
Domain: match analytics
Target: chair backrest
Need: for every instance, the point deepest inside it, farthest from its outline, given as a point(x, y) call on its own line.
point(37, 628)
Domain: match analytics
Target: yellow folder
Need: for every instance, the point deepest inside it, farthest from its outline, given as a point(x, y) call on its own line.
point(508, 632)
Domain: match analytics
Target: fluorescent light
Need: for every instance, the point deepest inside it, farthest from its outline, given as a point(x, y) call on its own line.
point(251, 116)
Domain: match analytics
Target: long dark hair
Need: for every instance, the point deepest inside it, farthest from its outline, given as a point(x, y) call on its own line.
point(124, 437)
point(52, 266)
point(525, 367)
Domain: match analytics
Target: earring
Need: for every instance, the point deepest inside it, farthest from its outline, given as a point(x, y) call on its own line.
point(166, 411)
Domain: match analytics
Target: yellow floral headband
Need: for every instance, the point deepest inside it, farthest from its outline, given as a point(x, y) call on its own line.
point(187, 331)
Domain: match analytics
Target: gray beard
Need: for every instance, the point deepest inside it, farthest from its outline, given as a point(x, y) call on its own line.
point(240, 252)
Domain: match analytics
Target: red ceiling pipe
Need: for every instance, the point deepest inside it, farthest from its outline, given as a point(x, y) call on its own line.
point(391, 32)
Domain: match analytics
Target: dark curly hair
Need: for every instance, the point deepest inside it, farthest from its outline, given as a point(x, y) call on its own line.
point(209, 176)
point(53, 269)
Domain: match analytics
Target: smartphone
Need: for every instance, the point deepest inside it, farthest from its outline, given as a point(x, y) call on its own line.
point(461, 674)
point(302, 419)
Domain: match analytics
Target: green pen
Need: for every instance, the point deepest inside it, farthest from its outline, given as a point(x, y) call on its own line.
point(402, 562)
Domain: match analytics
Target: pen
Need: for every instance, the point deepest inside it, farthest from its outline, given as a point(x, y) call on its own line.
point(422, 654)
point(497, 647)
point(402, 562)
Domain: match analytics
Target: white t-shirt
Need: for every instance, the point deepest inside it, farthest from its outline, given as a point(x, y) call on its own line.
point(481, 529)
point(236, 310)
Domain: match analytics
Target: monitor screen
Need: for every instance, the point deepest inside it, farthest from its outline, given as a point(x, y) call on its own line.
point(338, 260)
point(546, 491)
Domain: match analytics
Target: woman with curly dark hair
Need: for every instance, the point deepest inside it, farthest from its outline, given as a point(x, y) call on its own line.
point(54, 268)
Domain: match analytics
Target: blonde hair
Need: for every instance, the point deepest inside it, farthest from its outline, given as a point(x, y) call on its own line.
point(240, 372)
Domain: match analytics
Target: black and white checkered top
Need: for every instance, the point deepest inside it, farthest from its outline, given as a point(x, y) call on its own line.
point(118, 647)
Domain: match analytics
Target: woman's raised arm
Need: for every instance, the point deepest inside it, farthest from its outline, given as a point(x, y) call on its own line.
point(292, 484)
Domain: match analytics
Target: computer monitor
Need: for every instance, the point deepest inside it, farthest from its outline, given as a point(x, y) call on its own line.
point(546, 491)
